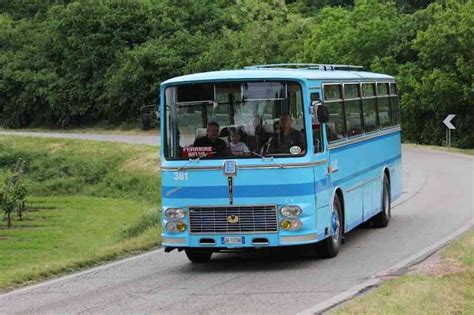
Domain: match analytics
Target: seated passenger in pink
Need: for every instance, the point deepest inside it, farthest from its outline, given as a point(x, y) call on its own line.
point(236, 147)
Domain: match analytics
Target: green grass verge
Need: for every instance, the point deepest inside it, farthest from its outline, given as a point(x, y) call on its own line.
point(90, 202)
point(449, 289)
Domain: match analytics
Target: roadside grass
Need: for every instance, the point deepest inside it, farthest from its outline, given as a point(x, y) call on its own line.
point(448, 289)
point(439, 148)
point(90, 202)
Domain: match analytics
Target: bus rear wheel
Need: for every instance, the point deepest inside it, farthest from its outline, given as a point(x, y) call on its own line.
point(329, 247)
point(198, 256)
point(382, 219)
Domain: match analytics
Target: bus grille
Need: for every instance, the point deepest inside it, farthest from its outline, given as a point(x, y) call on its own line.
point(250, 219)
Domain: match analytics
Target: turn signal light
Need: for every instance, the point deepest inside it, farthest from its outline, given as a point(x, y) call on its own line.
point(285, 224)
point(291, 225)
point(181, 226)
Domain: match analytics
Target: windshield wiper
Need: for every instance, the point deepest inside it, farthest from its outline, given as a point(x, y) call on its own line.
point(264, 158)
point(192, 160)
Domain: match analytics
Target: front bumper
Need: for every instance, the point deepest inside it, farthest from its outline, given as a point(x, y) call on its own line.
point(255, 240)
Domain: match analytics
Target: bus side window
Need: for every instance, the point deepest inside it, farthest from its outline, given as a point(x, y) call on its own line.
point(383, 104)
point(316, 127)
point(352, 106)
point(335, 128)
point(394, 104)
point(369, 107)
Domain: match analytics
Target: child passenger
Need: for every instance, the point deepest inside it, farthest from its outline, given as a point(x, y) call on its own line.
point(236, 147)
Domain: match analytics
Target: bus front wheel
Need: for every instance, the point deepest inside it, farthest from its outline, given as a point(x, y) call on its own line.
point(198, 256)
point(382, 219)
point(329, 247)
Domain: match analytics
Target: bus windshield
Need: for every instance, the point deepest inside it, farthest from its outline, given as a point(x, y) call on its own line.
point(234, 120)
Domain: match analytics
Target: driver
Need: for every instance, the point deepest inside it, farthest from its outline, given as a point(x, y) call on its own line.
point(258, 135)
point(286, 138)
point(219, 146)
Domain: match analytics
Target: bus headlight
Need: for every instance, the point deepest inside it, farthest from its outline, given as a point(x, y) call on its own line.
point(176, 226)
point(291, 225)
point(181, 226)
point(175, 213)
point(171, 226)
point(290, 211)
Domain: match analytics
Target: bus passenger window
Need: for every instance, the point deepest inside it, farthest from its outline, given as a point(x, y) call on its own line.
point(352, 106)
point(383, 103)
point(335, 128)
point(369, 107)
point(316, 127)
point(394, 104)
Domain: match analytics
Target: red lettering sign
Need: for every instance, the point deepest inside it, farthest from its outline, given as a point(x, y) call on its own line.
point(194, 152)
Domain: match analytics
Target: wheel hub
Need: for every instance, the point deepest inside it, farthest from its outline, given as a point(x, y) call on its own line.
point(335, 226)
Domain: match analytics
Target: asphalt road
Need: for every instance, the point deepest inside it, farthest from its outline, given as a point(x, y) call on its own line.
point(437, 200)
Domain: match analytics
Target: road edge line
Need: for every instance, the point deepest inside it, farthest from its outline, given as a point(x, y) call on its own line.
point(80, 273)
point(375, 279)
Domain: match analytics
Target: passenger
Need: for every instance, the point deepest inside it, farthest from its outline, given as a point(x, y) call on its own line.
point(258, 135)
point(287, 138)
point(219, 146)
point(276, 127)
point(236, 147)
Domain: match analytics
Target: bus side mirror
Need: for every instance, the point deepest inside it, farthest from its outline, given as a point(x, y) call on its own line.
point(323, 114)
point(315, 102)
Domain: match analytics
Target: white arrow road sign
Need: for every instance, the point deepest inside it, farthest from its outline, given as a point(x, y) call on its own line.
point(447, 121)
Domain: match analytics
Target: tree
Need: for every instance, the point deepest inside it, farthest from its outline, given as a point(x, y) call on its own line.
point(440, 82)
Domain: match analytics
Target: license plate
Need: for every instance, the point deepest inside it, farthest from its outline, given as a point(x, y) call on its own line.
point(232, 240)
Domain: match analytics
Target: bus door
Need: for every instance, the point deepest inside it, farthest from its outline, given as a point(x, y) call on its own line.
point(320, 157)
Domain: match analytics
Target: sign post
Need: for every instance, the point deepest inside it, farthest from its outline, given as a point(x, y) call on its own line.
point(447, 123)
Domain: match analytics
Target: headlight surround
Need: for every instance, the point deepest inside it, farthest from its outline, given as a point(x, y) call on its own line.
point(175, 213)
point(290, 211)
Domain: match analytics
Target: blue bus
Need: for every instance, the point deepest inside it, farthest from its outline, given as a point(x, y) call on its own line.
point(277, 155)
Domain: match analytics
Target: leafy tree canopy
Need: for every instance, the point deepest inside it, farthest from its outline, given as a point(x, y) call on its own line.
point(76, 63)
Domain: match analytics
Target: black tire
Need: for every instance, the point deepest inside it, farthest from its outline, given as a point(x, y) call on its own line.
point(198, 256)
point(329, 247)
point(382, 219)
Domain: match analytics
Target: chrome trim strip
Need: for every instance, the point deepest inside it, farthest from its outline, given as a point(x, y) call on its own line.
point(289, 165)
point(364, 137)
point(242, 167)
point(230, 233)
point(194, 168)
point(362, 183)
point(260, 243)
point(207, 244)
point(298, 238)
point(174, 240)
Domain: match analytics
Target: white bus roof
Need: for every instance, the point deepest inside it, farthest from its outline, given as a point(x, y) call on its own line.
point(279, 74)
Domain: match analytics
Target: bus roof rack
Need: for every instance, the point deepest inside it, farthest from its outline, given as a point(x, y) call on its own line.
point(306, 66)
